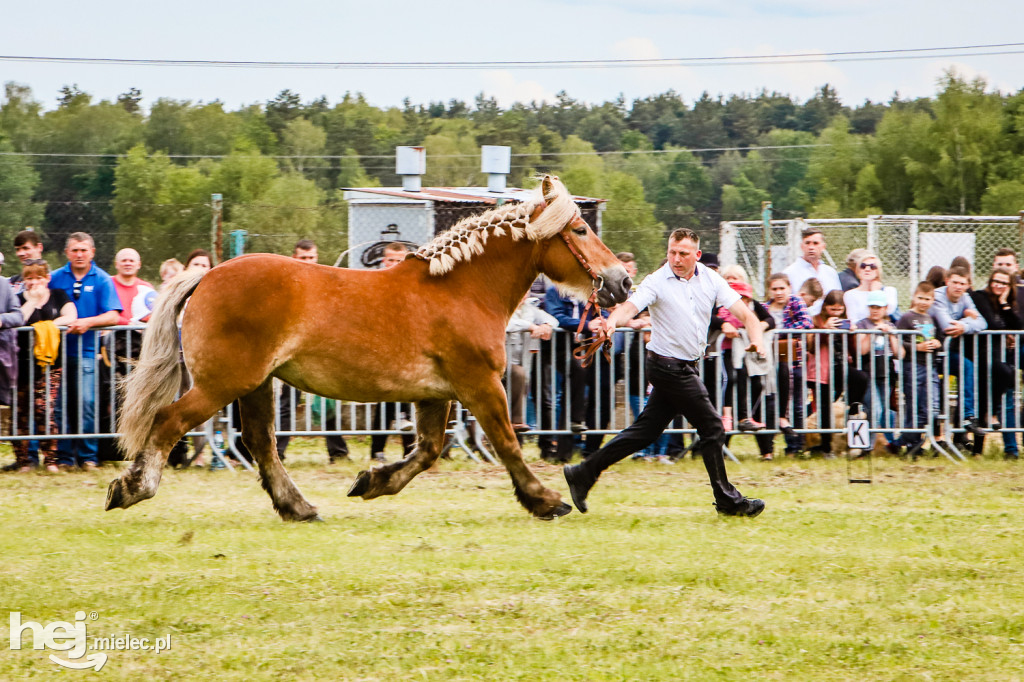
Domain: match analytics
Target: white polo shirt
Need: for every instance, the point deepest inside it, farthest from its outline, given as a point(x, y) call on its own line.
point(681, 309)
point(799, 271)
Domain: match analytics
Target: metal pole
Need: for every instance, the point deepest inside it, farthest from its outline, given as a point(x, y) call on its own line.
point(766, 218)
point(1020, 233)
point(216, 238)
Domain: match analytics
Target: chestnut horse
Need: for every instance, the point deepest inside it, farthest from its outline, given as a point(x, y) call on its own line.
point(429, 330)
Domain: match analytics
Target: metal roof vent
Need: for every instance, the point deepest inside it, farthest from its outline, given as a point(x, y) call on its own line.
point(411, 164)
point(496, 161)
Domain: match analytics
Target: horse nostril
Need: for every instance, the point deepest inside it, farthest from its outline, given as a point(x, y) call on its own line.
point(627, 283)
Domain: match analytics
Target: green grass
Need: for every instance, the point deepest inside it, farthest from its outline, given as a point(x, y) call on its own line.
point(915, 577)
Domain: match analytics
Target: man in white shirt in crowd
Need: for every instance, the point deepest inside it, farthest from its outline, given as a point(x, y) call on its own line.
point(812, 243)
point(681, 296)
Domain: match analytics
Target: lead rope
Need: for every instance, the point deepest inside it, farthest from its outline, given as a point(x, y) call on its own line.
point(585, 352)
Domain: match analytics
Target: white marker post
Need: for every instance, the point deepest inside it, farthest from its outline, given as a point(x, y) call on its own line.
point(858, 437)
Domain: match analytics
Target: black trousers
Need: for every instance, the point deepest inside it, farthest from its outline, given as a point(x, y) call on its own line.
point(677, 389)
point(383, 415)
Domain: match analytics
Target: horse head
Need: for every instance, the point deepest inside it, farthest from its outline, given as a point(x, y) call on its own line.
point(573, 256)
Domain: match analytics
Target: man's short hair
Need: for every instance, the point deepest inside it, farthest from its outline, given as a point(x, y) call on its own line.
point(28, 236)
point(304, 245)
point(397, 246)
point(958, 271)
point(924, 288)
point(625, 257)
point(810, 232)
point(681, 233)
point(1004, 251)
point(80, 237)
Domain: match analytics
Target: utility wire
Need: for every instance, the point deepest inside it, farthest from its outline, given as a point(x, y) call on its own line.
point(991, 49)
point(432, 156)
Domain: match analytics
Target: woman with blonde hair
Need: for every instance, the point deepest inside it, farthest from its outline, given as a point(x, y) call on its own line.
point(169, 268)
point(856, 300)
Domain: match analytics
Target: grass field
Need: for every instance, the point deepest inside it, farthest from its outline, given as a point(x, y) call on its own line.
point(914, 577)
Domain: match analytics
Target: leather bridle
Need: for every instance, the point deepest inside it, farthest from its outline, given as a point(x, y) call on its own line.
point(585, 351)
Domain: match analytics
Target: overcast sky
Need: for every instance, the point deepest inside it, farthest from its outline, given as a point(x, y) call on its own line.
point(458, 30)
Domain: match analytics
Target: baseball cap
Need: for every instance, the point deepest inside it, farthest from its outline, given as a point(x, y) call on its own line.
point(742, 288)
point(877, 298)
point(710, 260)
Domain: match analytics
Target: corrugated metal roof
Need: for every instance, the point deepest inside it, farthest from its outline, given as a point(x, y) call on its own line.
point(476, 195)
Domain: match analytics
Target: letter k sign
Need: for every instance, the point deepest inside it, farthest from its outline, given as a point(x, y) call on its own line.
point(857, 434)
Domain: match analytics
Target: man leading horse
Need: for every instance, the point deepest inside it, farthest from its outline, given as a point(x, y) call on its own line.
point(681, 297)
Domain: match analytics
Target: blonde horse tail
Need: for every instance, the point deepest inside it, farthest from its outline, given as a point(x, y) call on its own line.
point(155, 378)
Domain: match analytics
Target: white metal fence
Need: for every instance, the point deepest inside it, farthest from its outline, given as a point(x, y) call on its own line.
point(816, 380)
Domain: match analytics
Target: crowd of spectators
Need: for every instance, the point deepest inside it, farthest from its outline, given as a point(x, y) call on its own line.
point(837, 337)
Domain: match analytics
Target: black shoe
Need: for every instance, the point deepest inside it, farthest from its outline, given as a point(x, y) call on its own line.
point(788, 431)
point(973, 426)
point(1012, 456)
point(748, 507)
point(580, 482)
point(578, 427)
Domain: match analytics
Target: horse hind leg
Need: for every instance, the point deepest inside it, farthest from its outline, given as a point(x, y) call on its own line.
point(140, 480)
point(389, 479)
point(257, 410)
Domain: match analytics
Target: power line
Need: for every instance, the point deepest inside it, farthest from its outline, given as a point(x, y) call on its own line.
point(991, 49)
point(431, 156)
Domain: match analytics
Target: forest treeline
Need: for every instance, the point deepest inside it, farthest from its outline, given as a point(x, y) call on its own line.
point(142, 176)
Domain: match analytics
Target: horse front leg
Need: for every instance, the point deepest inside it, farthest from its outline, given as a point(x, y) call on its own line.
point(140, 480)
point(490, 407)
point(389, 479)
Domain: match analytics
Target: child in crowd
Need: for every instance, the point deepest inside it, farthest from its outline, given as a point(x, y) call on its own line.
point(811, 292)
point(829, 370)
point(789, 312)
point(920, 367)
point(876, 352)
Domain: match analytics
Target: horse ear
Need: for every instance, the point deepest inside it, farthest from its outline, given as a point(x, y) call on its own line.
point(547, 186)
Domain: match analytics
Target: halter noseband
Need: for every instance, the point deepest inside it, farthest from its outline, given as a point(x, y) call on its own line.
point(585, 353)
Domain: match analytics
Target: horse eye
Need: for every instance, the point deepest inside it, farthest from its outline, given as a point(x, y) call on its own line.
point(581, 231)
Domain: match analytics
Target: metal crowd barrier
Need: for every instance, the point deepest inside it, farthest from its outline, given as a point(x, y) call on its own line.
point(559, 398)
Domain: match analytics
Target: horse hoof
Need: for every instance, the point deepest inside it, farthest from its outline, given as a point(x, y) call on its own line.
point(316, 518)
point(561, 510)
point(361, 484)
point(115, 499)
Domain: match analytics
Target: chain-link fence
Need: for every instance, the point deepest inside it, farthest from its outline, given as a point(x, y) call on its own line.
point(907, 245)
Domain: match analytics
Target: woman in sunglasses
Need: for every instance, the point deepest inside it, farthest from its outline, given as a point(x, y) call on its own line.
point(869, 270)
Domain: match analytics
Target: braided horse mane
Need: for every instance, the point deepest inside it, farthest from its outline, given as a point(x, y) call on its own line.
point(468, 237)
